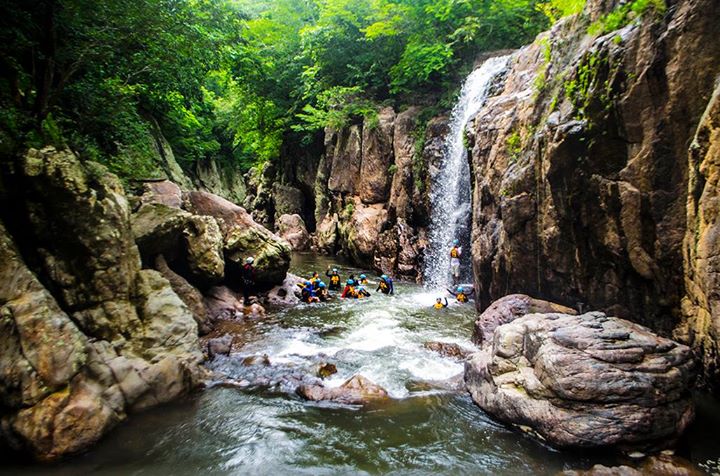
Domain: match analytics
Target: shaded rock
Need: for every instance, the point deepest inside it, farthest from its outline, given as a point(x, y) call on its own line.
point(509, 308)
point(99, 337)
point(166, 192)
point(192, 298)
point(400, 202)
point(326, 369)
point(285, 295)
point(448, 349)
point(585, 381)
point(377, 156)
point(700, 327)
point(243, 237)
point(288, 200)
point(219, 346)
point(223, 180)
point(222, 302)
point(346, 160)
point(326, 236)
point(356, 391)
point(177, 234)
point(291, 228)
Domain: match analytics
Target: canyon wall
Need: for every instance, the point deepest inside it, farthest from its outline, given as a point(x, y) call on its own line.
point(581, 171)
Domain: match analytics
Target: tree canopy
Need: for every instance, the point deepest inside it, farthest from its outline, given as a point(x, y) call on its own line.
point(233, 80)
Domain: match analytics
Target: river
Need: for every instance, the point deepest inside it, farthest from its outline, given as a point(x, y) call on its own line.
point(227, 431)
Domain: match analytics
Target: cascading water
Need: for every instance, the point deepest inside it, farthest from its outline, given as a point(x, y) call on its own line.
point(450, 193)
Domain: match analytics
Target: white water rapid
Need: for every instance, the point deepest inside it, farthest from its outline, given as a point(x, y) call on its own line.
point(450, 193)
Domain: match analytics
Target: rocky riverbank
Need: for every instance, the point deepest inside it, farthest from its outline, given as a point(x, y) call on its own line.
point(102, 297)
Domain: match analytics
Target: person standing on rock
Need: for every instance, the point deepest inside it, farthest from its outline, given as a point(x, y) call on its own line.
point(455, 253)
point(247, 277)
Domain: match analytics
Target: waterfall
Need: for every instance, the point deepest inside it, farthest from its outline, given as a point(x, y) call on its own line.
point(450, 191)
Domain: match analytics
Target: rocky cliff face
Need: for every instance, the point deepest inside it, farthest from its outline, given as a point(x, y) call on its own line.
point(100, 307)
point(581, 170)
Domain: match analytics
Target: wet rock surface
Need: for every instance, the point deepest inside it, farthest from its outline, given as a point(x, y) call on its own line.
point(448, 349)
point(585, 381)
point(356, 391)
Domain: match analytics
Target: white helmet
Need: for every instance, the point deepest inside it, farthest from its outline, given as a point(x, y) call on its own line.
point(250, 260)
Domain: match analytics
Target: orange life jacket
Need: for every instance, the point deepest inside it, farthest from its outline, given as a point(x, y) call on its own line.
point(454, 253)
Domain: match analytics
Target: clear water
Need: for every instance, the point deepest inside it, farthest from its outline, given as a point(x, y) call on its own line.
point(228, 431)
point(450, 192)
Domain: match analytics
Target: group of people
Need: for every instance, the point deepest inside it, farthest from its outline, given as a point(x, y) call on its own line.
point(315, 290)
point(461, 293)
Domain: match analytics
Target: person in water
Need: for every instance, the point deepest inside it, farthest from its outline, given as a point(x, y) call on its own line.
point(385, 285)
point(247, 278)
point(349, 291)
point(315, 279)
point(322, 292)
point(363, 280)
point(455, 253)
point(439, 304)
point(307, 292)
point(334, 279)
point(461, 294)
point(361, 292)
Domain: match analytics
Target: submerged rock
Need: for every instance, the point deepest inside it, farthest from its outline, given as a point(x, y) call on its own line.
point(284, 294)
point(356, 391)
point(326, 369)
point(219, 346)
point(585, 381)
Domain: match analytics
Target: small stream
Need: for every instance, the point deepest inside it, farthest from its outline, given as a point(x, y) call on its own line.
point(421, 430)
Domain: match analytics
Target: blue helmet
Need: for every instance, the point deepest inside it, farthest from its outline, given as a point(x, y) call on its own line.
point(456, 242)
point(362, 276)
point(460, 289)
point(322, 285)
point(350, 282)
point(307, 283)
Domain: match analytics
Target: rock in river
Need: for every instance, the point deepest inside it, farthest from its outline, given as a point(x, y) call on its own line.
point(356, 391)
point(584, 381)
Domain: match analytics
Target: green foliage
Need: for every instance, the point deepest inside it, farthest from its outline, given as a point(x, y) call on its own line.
point(625, 13)
point(556, 9)
point(392, 169)
point(234, 80)
point(513, 146)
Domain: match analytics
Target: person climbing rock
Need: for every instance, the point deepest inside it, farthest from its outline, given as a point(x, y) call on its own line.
point(247, 278)
point(439, 304)
point(363, 280)
point(461, 294)
point(385, 285)
point(322, 292)
point(334, 279)
point(455, 253)
point(349, 291)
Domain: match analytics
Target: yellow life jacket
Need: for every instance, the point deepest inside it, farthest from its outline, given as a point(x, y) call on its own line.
point(383, 285)
point(462, 297)
point(454, 253)
point(335, 279)
point(438, 305)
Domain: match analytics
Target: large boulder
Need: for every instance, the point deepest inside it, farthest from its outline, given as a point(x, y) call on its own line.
point(377, 156)
point(327, 234)
point(243, 237)
point(356, 391)
point(509, 308)
point(190, 295)
point(87, 336)
point(177, 234)
point(291, 228)
point(165, 192)
point(288, 200)
point(364, 231)
point(584, 381)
